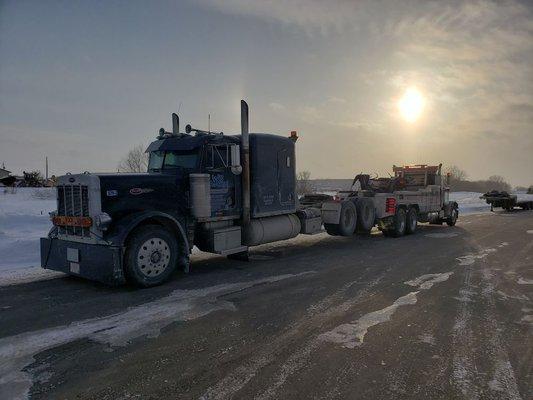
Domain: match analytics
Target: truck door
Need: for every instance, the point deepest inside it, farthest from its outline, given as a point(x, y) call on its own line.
point(225, 199)
point(286, 178)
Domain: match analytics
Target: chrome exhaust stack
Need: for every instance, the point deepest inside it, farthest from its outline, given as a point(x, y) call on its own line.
point(175, 124)
point(245, 148)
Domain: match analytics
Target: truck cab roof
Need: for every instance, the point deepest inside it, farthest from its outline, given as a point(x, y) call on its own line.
point(188, 142)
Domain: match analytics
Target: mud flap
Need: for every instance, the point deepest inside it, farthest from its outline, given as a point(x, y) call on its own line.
point(331, 212)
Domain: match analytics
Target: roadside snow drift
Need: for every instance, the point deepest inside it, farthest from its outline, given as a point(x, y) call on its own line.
point(23, 220)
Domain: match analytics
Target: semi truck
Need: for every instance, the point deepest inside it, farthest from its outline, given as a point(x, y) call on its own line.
point(222, 194)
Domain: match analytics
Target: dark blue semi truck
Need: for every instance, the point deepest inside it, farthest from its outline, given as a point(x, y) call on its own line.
point(220, 193)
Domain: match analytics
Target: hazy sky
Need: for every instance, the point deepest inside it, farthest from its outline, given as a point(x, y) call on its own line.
point(84, 81)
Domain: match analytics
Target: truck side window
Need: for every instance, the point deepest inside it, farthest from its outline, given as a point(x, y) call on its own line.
point(175, 159)
point(156, 160)
point(218, 157)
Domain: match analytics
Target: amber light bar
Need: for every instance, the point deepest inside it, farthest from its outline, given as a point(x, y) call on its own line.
point(84, 222)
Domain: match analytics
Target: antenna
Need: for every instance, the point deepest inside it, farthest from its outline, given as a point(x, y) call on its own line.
point(179, 108)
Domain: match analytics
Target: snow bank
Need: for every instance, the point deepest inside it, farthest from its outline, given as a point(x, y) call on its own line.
point(23, 220)
point(469, 202)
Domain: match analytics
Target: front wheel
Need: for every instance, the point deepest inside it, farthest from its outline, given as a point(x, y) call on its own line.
point(452, 219)
point(151, 256)
point(399, 224)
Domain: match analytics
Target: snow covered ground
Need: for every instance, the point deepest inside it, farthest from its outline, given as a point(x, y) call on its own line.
point(24, 219)
point(469, 202)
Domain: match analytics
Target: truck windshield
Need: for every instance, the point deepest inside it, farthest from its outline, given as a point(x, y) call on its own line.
point(172, 159)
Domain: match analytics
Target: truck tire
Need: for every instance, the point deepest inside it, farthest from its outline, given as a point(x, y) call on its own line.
point(366, 215)
point(452, 219)
point(348, 219)
point(399, 224)
point(412, 221)
point(151, 256)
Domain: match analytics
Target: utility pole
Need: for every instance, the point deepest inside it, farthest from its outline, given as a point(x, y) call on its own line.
point(46, 158)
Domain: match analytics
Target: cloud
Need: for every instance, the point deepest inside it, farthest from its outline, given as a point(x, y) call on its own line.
point(276, 106)
point(338, 100)
point(306, 14)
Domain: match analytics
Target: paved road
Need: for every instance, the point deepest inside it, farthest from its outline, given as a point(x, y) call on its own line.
point(443, 314)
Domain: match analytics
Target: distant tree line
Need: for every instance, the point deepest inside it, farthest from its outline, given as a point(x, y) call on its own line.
point(460, 183)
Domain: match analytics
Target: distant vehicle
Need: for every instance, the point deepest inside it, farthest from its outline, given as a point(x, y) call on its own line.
point(223, 194)
point(508, 201)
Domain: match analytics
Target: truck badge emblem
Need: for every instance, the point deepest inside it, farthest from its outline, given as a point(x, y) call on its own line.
point(137, 191)
point(112, 193)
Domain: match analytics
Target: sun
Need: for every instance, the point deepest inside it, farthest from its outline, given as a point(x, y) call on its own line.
point(411, 104)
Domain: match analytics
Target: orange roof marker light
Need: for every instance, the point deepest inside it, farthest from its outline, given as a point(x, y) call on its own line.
point(294, 136)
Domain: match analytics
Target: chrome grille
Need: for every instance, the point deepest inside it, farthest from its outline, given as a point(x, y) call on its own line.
point(73, 201)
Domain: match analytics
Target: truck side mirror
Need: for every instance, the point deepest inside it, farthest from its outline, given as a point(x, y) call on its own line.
point(235, 156)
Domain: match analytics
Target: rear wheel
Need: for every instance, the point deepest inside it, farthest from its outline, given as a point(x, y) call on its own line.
point(151, 256)
point(412, 221)
point(399, 224)
point(366, 215)
point(348, 219)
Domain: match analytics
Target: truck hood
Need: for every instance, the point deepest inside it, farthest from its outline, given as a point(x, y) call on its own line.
point(127, 193)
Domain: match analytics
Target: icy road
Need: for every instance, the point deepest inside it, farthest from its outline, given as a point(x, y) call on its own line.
point(446, 313)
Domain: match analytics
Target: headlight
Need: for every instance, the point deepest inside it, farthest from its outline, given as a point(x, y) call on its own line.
point(102, 221)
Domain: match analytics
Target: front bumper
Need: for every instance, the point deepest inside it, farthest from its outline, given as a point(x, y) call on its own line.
point(91, 261)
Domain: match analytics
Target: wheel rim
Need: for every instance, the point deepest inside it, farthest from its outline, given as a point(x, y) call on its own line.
point(413, 222)
point(153, 257)
point(454, 215)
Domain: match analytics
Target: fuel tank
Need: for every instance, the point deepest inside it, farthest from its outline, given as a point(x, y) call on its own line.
point(271, 229)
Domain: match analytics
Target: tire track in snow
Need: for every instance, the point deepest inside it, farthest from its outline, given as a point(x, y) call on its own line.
point(462, 338)
point(352, 334)
point(232, 383)
point(300, 358)
point(465, 371)
point(503, 379)
point(18, 351)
